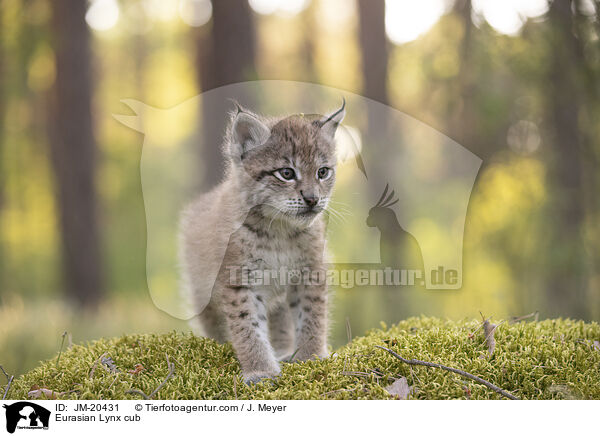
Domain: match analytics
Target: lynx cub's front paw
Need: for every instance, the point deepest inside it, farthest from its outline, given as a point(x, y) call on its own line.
point(257, 376)
point(303, 357)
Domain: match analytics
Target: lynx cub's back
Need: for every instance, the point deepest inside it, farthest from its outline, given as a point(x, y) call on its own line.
point(267, 215)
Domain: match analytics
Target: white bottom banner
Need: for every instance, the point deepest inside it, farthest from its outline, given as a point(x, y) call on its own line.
point(295, 417)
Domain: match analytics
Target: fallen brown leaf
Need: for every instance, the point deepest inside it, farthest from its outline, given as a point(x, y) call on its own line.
point(467, 391)
point(137, 369)
point(488, 330)
point(400, 388)
point(44, 393)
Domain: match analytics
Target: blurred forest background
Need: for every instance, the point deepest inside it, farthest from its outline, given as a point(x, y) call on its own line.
point(515, 82)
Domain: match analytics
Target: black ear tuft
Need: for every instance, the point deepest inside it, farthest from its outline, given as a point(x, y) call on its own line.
point(329, 123)
point(238, 106)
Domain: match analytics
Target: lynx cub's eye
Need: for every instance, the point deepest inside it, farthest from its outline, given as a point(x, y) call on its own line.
point(323, 173)
point(285, 174)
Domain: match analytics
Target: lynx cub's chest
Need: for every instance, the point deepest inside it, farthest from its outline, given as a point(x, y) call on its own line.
point(281, 257)
point(282, 252)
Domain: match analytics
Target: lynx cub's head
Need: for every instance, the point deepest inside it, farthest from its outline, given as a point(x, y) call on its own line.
point(284, 167)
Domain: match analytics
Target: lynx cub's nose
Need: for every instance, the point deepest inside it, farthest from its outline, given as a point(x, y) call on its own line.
point(311, 200)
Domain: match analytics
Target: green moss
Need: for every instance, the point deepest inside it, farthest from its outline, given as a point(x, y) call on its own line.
point(551, 359)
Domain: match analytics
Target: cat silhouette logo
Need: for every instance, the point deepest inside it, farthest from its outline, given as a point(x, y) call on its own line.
point(26, 415)
point(426, 177)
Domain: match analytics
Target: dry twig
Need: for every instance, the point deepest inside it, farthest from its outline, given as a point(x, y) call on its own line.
point(348, 330)
point(515, 319)
point(113, 382)
point(171, 367)
point(235, 386)
point(10, 379)
point(454, 370)
point(138, 392)
point(62, 344)
point(472, 334)
point(96, 365)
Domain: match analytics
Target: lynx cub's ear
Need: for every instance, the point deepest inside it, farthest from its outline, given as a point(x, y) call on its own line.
point(329, 123)
point(248, 132)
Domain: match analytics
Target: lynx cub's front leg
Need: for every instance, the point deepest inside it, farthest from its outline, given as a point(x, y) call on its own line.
point(282, 331)
point(309, 311)
point(249, 333)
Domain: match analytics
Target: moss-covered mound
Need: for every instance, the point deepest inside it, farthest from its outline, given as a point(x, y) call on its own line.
point(551, 359)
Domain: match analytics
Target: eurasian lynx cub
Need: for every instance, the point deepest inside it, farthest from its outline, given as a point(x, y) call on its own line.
point(265, 215)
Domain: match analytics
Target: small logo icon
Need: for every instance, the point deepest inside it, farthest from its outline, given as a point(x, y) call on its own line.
point(26, 415)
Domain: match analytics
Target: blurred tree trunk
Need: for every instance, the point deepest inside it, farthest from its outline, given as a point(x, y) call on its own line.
point(461, 112)
point(374, 49)
point(3, 98)
point(73, 151)
point(140, 55)
point(374, 52)
point(226, 52)
point(310, 30)
point(591, 153)
point(567, 269)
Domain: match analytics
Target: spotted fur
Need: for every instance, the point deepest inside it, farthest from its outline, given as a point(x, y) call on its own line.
point(258, 220)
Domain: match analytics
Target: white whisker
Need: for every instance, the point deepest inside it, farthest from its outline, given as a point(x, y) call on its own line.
point(337, 213)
